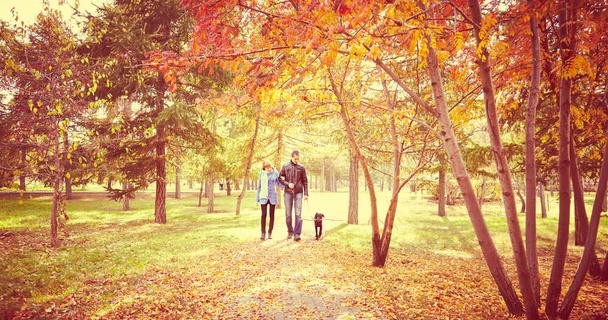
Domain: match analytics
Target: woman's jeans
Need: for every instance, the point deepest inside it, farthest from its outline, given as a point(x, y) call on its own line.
point(264, 212)
point(293, 201)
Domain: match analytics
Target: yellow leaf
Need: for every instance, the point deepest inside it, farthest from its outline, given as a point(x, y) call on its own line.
point(375, 52)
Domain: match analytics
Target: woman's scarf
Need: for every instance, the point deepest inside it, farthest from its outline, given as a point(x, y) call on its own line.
point(264, 185)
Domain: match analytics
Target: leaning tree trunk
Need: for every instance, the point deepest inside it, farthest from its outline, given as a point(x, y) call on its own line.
point(249, 160)
point(504, 176)
point(589, 251)
point(486, 243)
point(530, 128)
point(581, 224)
point(561, 246)
point(376, 244)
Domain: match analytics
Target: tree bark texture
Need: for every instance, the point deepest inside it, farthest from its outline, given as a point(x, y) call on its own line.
point(484, 238)
point(589, 251)
point(561, 245)
point(504, 176)
point(160, 209)
point(376, 245)
point(581, 223)
point(530, 129)
point(210, 194)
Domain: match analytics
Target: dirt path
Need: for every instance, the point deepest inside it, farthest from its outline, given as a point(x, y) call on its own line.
point(298, 281)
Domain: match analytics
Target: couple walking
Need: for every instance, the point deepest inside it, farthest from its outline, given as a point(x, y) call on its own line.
point(292, 178)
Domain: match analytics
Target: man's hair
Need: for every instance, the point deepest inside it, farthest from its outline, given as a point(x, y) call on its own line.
point(295, 153)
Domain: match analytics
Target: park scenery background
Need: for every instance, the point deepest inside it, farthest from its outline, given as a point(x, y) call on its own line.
point(458, 149)
point(113, 264)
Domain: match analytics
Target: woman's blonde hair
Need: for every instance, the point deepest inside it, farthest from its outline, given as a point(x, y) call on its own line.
point(266, 164)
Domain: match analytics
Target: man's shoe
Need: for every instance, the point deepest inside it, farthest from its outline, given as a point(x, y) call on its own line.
point(296, 238)
point(269, 235)
point(290, 235)
point(262, 236)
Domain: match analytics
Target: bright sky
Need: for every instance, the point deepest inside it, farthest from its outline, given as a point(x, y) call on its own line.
point(27, 10)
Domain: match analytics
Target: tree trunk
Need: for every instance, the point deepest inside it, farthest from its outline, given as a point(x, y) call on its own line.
point(581, 224)
point(441, 192)
point(210, 194)
point(249, 161)
point(482, 192)
point(178, 189)
point(69, 195)
point(353, 201)
point(57, 175)
point(55, 212)
point(366, 173)
point(530, 129)
point(504, 176)
point(160, 210)
point(521, 198)
point(543, 199)
point(561, 245)
point(200, 195)
point(277, 163)
point(589, 251)
point(484, 238)
point(126, 204)
point(22, 166)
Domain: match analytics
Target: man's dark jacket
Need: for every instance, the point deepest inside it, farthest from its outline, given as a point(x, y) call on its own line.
point(296, 174)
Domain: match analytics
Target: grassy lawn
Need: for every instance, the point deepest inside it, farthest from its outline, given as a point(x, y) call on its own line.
point(114, 264)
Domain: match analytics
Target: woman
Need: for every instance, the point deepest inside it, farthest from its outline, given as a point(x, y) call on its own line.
point(268, 180)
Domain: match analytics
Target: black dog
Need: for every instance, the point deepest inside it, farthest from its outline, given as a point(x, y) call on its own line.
point(319, 224)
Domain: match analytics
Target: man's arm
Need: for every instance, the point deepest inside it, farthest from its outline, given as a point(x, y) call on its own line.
point(305, 181)
point(282, 177)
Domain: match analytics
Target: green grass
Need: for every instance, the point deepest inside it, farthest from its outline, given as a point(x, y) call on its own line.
point(106, 252)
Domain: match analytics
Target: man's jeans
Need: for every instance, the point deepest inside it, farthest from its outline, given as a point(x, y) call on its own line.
point(295, 201)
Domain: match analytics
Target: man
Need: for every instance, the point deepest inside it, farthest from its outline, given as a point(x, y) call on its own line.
point(293, 177)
